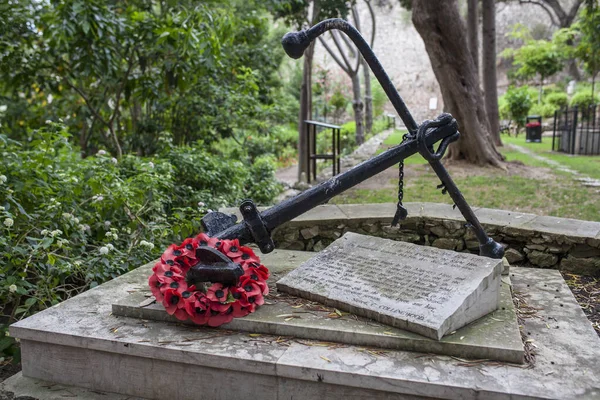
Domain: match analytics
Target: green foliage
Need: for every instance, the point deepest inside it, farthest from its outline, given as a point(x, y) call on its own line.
point(518, 101)
point(587, 32)
point(544, 109)
point(583, 99)
point(542, 58)
point(338, 102)
point(133, 70)
point(67, 223)
point(539, 57)
point(556, 100)
point(379, 98)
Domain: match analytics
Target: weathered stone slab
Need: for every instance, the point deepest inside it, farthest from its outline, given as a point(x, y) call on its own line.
point(567, 358)
point(424, 290)
point(564, 226)
point(493, 337)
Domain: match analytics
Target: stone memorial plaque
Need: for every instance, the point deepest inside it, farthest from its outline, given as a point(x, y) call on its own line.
point(421, 289)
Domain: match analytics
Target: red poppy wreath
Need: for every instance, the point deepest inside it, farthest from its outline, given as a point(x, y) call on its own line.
point(216, 304)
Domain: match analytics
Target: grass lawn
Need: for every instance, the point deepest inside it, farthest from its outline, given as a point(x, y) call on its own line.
point(587, 165)
point(529, 185)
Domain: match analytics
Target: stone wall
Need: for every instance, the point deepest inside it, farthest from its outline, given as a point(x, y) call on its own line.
point(547, 242)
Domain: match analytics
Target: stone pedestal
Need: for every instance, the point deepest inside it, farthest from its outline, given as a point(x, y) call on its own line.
point(82, 343)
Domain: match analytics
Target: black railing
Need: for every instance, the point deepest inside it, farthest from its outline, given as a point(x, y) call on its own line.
point(577, 131)
point(312, 129)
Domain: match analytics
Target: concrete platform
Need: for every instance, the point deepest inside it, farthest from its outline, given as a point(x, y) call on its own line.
point(495, 336)
point(81, 343)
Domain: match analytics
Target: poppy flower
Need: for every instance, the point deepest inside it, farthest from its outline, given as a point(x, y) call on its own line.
point(217, 292)
point(167, 272)
point(248, 256)
point(239, 310)
point(205, 240)
point(198, 308)
point(174, 303)
point(155, 285)
point(232, 248)
point(188, 248)
point(250, 287)
point(220, 318)
point(258, 300)
point(239, 294)
point(219, 307)
point(179, 286)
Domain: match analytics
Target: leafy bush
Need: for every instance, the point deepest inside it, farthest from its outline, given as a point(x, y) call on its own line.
point(545, 110)
point(67, 224)
point(518, 101)
point(583, 99)
point(557, 100)
point(379, 98)
point(503, 108)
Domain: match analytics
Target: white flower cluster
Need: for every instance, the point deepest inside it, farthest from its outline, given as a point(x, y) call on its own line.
point(8, 222)
point(112, 234)
point(53, 203)
point(12, 288)
point(56, 232)
point(101, 153)
point(61, 242)
point(147, 245)
point(97, 198)
point(70, 218)
point(3, 179)
point(83, 227)
point(103, 250)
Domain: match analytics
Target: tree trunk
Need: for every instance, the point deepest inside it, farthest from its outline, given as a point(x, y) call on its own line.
point(472, 30)
point(490, 84)
point(444, 34)
point(357, 106)
point(368, 98)
point(305, 111)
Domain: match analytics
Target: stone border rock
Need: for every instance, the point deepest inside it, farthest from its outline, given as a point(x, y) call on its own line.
point(548, 242)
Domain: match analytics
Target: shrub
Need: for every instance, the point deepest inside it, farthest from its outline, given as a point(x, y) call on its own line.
point(557, 100)
point(379, 98)
point(67, 224)
point(583, 99)
point(545, 110)
point(518, 102)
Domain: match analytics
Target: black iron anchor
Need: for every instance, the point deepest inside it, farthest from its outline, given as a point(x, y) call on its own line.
point(256, 226)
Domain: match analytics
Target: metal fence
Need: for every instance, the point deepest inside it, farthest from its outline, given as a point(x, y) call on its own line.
point(577, 130)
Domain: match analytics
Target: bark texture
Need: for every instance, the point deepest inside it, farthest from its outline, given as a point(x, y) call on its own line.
point(368, 99)
point(472, 31)
point(305, 111)
point(490, 84)
point(440, 26)
point(306, 99)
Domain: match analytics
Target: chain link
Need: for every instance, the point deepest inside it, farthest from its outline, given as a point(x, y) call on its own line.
point(401, 212)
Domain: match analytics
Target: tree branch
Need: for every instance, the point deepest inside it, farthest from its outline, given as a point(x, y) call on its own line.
point(548, 11)
point(356, 18)
point(336, 39)
point(333, 55)
point(373, 22)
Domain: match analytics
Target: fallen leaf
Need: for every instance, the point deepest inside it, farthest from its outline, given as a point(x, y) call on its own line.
point(147, 302)
point(325, 358)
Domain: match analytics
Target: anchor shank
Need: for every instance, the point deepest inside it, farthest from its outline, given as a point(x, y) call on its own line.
point(309, 199)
